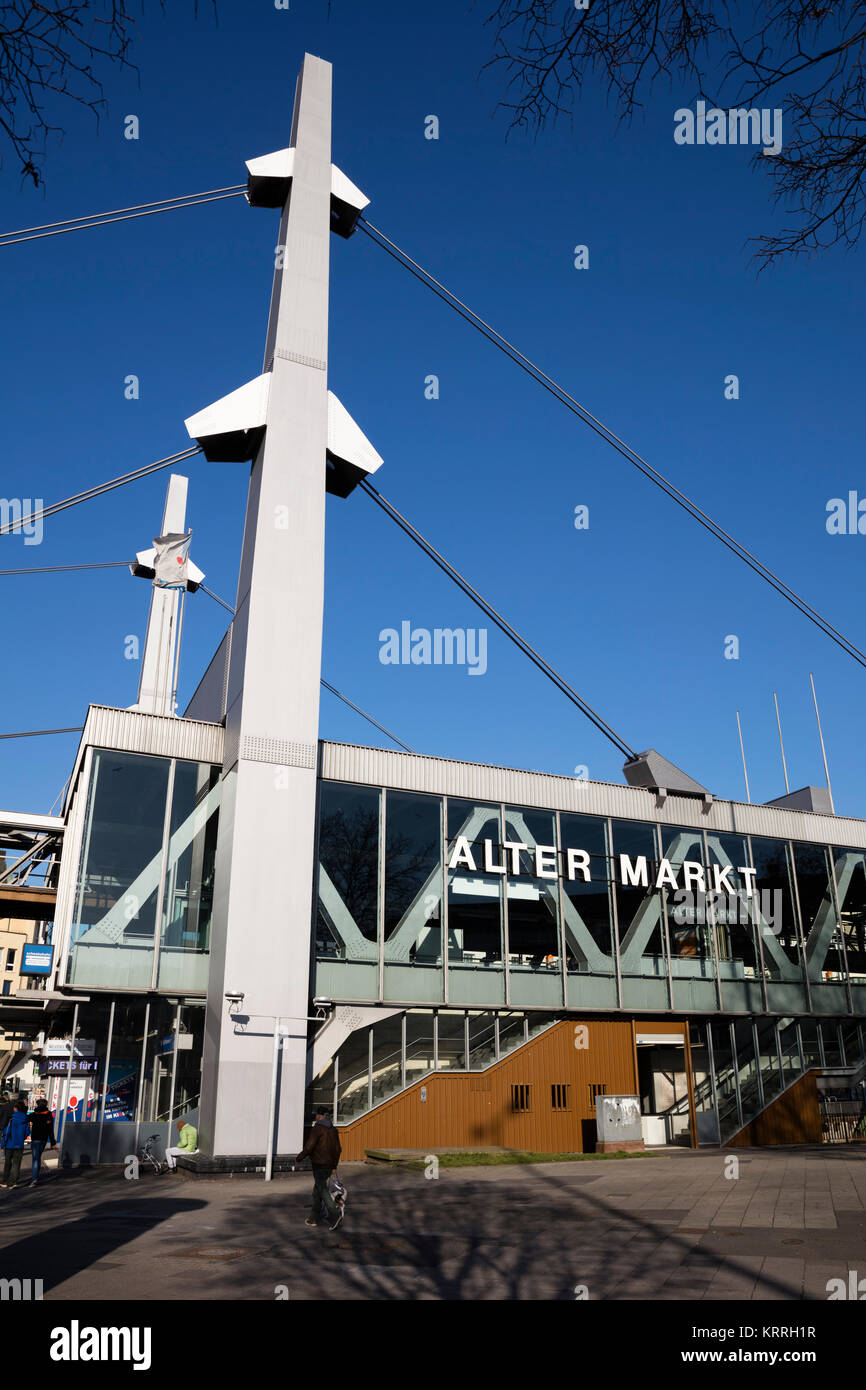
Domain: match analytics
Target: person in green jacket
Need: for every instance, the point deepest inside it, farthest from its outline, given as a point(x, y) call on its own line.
point(188, 1144)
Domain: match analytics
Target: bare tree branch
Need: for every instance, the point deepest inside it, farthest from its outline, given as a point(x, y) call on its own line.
point(806, 57)
point(51, 52)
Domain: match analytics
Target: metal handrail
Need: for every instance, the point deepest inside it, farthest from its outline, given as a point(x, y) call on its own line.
point(186, 1105)
point(432, 1071)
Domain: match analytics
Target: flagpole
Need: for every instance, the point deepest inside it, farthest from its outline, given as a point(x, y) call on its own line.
point(781, 744)
point(743, 755)
point(181, 602)
point(823, 749)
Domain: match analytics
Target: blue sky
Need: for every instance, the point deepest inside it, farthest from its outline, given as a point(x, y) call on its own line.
point(633, 611)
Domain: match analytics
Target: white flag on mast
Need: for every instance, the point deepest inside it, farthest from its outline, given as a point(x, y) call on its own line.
point(171, 560)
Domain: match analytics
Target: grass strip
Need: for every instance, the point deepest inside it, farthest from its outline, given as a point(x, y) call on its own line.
point(471, 1159)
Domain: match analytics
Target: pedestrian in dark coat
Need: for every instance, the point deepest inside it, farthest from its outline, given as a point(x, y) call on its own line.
point(14, 1136)
point(323, 1148)
point(41, 1133)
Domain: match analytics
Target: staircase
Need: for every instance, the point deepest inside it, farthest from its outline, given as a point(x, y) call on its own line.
point(759, 1081)
point(357, 1098)
point(744, 1089)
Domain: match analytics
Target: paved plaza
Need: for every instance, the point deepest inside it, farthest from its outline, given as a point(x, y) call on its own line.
point(674, 1226)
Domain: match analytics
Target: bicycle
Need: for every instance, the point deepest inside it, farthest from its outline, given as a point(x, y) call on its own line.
point(148, 1157)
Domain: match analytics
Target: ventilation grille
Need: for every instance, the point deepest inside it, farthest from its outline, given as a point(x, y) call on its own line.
point(278, 751)
point(560, 1097)
point(596, 1088)
point(520, 1098)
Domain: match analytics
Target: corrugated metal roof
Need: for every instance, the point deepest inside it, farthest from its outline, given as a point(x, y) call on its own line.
point(167, 737)
point(344, 762)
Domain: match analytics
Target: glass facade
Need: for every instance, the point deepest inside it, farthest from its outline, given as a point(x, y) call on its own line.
point(141, 914)
point(140, 1072)
point(437, 900)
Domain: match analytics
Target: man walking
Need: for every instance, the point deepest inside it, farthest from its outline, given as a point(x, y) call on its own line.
point(323, 1148)
point(41, 1133)
point(14, 1136)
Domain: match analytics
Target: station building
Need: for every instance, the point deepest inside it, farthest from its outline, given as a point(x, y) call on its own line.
point(244, 921)
point(493, 945)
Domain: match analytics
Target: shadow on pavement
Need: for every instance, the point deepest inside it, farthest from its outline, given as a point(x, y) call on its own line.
point(62, 1250)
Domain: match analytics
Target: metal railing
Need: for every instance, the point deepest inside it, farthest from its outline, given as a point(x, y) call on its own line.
point(842, 1121)
point(354, 1099)
point(178, 1108)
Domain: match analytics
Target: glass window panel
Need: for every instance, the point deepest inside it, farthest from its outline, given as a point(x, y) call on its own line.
point(832, 1050)
point(124, 1070)
point(688, 932)
point(114, 918)
point(419, 1043)
point(539, 1021)
point(482, 1042)
point(87, 1082)
point(643, 964)
point(588, 910)
point(451, 1041)
point(726, 1085)
point(790, 1050)
point(413, 893)
point(823, 935)
point(747, 1067)
point(387, 1058)
point(850, 869)
point(158, 1057)
point(320, 1093)
point(809, 1040)
point(705, 1110)
point(777, 920)
point(731, 910)
point(354, 1075)
point(347, 946)
point(533, 900)
point(512, 1031)
point(851, 1042)
point(769, 1055)
point(190, 1042)
point(475, 954)
point(188, 895)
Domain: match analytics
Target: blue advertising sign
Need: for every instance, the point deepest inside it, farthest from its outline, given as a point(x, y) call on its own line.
point(37, 960)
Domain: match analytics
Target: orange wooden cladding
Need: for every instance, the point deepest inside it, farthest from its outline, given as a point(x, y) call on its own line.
point(475, 1108)
point(794, 1117)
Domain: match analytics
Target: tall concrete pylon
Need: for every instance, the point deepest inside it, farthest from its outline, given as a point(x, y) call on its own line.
point(157, 682)
point(300, 440)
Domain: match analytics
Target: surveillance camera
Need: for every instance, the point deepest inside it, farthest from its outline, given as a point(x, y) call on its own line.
point(320, 1003)
point(234, 996)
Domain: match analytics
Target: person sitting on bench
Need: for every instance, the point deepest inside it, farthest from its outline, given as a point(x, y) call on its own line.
point(188, 1144)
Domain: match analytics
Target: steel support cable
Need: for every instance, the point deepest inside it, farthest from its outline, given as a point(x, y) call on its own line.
point(629, 454)
point(16, 526)
point(65, 569)
point(210, 593)
point(124, 564)
point(102, 219)
point(346, 701)
point(497, 618)
point(39, 733)
point(333, 690)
